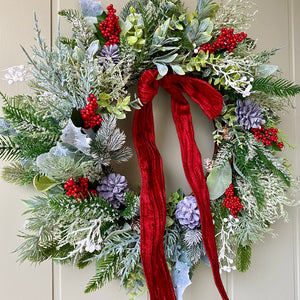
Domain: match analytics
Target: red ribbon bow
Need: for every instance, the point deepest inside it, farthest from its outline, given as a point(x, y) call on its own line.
point(153, 196)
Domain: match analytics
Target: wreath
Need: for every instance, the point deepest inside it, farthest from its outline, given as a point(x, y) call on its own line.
point(64, 139)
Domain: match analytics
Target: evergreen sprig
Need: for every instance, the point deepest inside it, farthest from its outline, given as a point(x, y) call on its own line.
point(248, 170)
point(26, 121)
point(18, 174)
point(106, 270)
point(31, 147)
point(276, 87)
point(243, 258)
point(82, 33)
point(132, 204)
point(9, 149)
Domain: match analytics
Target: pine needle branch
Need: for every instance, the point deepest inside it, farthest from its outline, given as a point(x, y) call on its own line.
point(106, 270)
point(8, 148)
point(280, 87)
point(243, 258)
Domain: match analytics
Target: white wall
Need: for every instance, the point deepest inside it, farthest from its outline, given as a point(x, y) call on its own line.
point(274, 274)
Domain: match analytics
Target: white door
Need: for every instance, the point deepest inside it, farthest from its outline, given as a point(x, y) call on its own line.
point(275, 270)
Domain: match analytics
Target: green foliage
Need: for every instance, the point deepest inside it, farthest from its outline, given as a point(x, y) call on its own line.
point(34, 248)
point(206, 9)
point(88, 209)
point(274, 165)
point(41, 244)
point(31, 147)
point(132, 204)
point(243, 258)
point(18, 111)
point(106, 270)
point(133, 30)
point(136, 4)
point(62, 168)
point(109, 143)
point(276, 87)
point(173, 200)
point(248, 170)
point(18, 174)
point(82, 32)
point(171, 241)
point(136, 283)
point(9, 150)
point(119, 256)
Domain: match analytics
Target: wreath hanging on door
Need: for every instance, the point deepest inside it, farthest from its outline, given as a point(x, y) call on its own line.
point(64, 139)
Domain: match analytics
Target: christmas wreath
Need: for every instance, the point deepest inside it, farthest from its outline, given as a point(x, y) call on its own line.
point(64, 139)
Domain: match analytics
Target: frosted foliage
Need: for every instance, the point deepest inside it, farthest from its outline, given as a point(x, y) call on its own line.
point(237, 14)
point(254, 222)
point(18, 74)
point(226, 248)
point(84, 239)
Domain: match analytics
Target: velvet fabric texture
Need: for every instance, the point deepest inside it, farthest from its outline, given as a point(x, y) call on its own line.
point(153, 197)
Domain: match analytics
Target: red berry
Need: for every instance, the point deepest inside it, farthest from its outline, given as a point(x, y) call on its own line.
point(88, 114)
point(232, 202)
point(267, 136)
point(110, 28)
point(79, 190)
point(226, 40)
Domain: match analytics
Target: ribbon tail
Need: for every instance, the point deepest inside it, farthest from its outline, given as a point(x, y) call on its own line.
point(153, 207)
point(192, 164)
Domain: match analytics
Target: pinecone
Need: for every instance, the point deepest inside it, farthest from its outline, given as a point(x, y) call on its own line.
point(187, 212)
point(136, 225)
point(248, 114)
point(112, 52)
point(113, 188)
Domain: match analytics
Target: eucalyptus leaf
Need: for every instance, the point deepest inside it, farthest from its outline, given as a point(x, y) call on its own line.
point(219, 180)
point(178, 69)
point(207, 9)
point(166, 59)
point(162, 69)
point(93, 48)
point(266, 70)
point(161, 32)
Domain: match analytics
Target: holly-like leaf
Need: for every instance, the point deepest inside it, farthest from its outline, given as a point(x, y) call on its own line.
point(73, 136)
point(180, 278)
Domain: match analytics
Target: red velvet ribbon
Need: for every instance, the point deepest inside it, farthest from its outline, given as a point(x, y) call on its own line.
point(153, 196)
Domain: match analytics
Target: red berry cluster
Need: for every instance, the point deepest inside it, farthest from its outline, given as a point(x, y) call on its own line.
point(267, 136)
point(88, 114)
point(226, 40)
point(232, 202)
point(79, 190)
point(110, 28)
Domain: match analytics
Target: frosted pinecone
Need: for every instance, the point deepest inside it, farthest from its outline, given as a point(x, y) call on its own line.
point(187, 212)
point(249, 114)
point(208, 165)
point(113, 188)
point(111, 52)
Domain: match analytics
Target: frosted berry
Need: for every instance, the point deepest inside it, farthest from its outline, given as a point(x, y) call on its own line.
point(88, 115)
point(232, 201)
